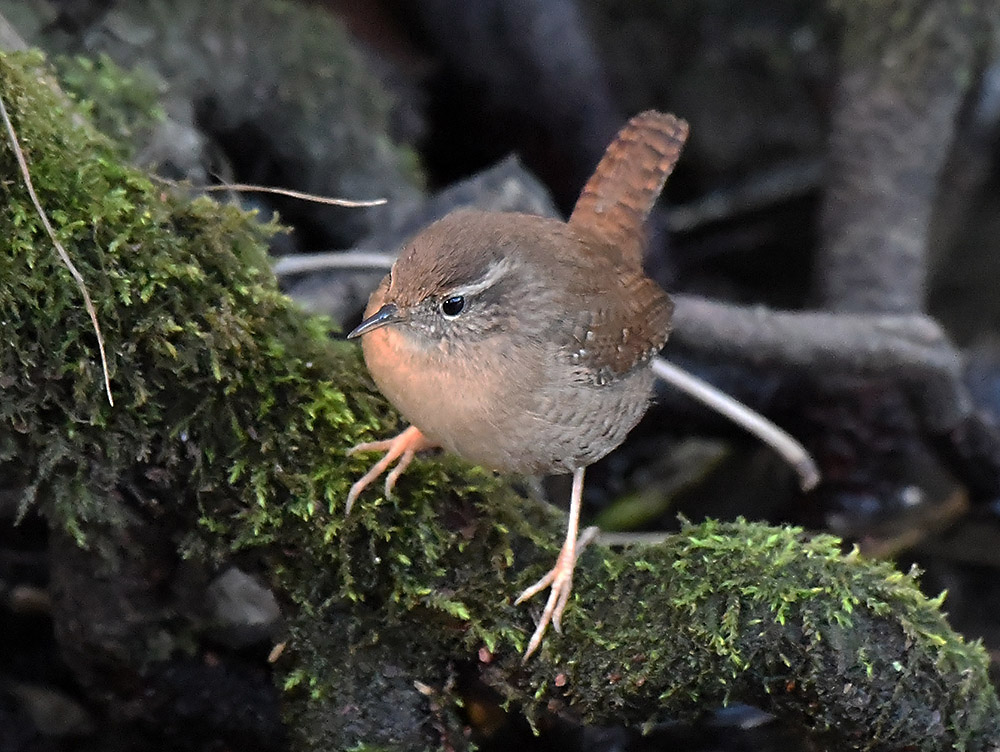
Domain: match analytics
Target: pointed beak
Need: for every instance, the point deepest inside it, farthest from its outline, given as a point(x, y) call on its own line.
point(387, 314)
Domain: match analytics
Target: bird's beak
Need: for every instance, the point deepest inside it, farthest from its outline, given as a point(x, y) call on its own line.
point(387, 314)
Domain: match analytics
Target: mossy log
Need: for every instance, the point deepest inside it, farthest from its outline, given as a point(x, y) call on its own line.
point(227, 440)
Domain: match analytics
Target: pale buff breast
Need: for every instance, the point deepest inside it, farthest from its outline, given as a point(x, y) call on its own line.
point(467, 409)
point(475, 412)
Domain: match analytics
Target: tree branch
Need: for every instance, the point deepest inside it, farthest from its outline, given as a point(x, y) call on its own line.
point(910, 348)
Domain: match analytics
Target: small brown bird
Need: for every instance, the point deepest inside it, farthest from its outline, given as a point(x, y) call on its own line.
point(523, 343)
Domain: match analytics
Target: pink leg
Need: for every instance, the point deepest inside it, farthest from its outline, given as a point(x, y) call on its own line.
point(560, 577)
point(401, 447)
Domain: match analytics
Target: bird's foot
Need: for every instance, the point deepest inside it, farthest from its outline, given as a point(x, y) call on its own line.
point(560, 581)
point(399, 449)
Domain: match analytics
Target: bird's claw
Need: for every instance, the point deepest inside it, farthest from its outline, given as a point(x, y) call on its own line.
point(560, 580)
point(400, 449)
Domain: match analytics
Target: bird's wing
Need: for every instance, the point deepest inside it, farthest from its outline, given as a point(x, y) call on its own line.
point(620, 319)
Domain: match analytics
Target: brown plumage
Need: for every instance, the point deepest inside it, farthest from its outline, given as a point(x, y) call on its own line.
point(615, 202)
point(522, 343)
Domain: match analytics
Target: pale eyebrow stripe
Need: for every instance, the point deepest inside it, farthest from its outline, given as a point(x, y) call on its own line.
point(494, 273)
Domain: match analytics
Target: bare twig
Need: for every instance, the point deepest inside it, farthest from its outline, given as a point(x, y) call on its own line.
point(911, 348)
point(10, 40)
point(80, 283)
point(300, 263)
point(250, 188)
point(778, 439)
point(614, 538)
point(784, 444)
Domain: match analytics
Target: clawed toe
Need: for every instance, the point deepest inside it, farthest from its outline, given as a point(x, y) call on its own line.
point(531, 592)
point(400, 449)
point(371, 446)
point(560, 581)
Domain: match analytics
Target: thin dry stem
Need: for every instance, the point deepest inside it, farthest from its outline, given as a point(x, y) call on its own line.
point(300, 263)
point(778, 439)
point(250, 188)
point(22, 163)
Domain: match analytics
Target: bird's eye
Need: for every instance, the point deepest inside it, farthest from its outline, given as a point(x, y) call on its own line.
point(452, 306)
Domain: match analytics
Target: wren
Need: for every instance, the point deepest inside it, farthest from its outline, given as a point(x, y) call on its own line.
point(523, 343)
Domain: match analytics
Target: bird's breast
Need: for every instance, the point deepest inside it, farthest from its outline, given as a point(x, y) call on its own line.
point(509, 408)
point(462, 400)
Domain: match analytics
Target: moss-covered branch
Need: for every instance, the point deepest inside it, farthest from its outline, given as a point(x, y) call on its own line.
point(232, 415)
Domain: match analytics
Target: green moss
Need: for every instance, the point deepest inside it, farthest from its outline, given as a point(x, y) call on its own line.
point(206, 355)
point(122, 104)
point(772, 615)
point(232, 419)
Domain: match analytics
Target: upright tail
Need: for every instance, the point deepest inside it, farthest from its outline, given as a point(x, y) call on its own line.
point(617, 199)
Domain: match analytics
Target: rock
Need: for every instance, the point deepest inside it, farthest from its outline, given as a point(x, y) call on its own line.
point(244, 611)
point(53, 713)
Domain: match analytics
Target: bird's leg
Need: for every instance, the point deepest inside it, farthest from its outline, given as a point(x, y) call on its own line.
point(401, 447)
point(560, 577)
